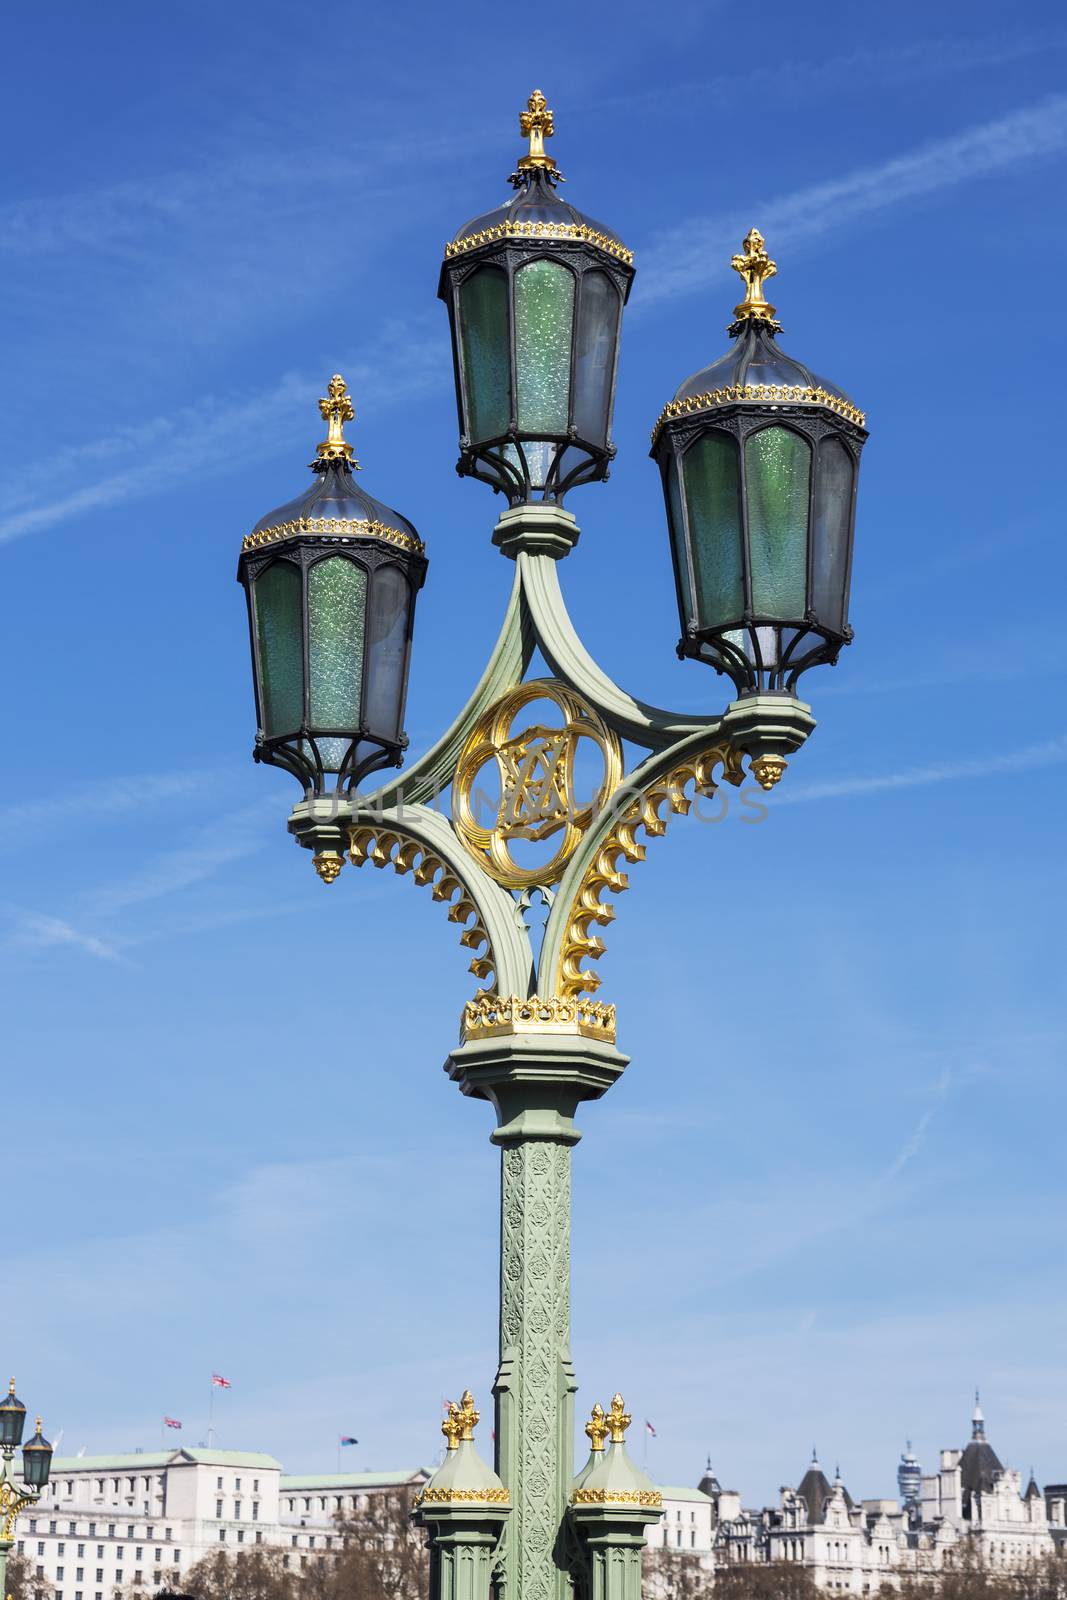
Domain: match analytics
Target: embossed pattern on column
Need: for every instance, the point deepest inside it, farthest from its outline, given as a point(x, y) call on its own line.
point(536, 1385)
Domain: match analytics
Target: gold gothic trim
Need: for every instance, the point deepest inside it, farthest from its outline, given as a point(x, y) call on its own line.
point(458, 1427)
point(541, 230)
point(767, 393)
point(477, 1497)
point(489, 1017)
point(535, 769)
point(537, 123)
point(337, 409)
point(578, 944)
point(11, 1503)
point(617, 1497)
point(754, 266)
point(383, 847)
point(342, 526)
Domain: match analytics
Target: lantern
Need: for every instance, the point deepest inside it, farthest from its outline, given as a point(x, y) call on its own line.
point(760, 459)
point(36, 1459)
point(331, 580)
point(535, 292)
point(12, 1419)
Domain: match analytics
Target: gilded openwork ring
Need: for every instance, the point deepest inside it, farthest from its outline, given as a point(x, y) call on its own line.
point(535, 767)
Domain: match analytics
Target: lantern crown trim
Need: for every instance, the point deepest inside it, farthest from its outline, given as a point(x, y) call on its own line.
point(337, 409)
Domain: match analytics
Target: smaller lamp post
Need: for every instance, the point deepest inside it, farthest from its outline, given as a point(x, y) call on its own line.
point(760, 459)
point(36, 1465)
point(331, 580)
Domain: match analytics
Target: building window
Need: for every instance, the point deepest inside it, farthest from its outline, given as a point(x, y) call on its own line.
point(33, 1524)
point(118, 1574)
point(240, 1536)
point(111, 1530)
point(218, 1483)
point(40, 1547)
point(81, 1549)
point(40, 1572)
point(138, 1553)
point(59, 1574)
point(255, 1510)
point(157, 1577)
point(118, 1552)
point(99, 1485)
point(168, 1533)
point(99, 1552)
point(159, 1555)
point(255, 1485)
point(222, 1536)
point(72, 1527)
point(237, 1483)
point(259, 1537)
point(218, 1508)
point(51, 1527)
point(177, 1557)
point(138, 1576)
point(293, 1539)
point(99, 1574)
point(129, 1531)
point(115, 1485)
point(79, 1575)
point(237, 1509)
point(149, 1533)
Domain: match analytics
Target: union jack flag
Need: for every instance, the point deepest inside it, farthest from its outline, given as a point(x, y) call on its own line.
point(220, 1382)
point(171, 1422)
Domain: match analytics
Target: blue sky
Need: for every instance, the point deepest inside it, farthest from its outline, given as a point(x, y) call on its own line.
point(826, 1199)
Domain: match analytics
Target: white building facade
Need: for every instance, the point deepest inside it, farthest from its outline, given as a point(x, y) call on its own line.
point(112, 1522)
point(970, 1505)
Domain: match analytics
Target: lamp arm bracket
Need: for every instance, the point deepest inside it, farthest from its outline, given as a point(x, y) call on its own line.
point(664, 785)
point(431, 774)
point(645, 725)
point(416, 839)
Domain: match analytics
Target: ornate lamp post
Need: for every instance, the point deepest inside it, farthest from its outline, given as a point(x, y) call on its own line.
point(759, 461)
point(36, 1465)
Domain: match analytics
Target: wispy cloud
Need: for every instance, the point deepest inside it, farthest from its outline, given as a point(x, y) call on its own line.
point(1051, 753)
point(229, 837)
point(682, 259)
point(914, 1142)
point(42, 932)
point(109, 797)
point(198, 439)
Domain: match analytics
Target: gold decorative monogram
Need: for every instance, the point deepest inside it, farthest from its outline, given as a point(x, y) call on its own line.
point(535, 769)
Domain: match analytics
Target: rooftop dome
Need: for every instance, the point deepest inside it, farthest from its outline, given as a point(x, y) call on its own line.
point(980, 1466)
point(536, 210)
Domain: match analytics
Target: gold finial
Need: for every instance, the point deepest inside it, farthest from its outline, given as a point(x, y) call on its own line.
point(337, 409)
point(39, 1424)
point(328, 863)
point(618, 1419)
point(537, 125)
point(597, 1428)
point(755, 266)
point(11, 1387)
point(458, 1427)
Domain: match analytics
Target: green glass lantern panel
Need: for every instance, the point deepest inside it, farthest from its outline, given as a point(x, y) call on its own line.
point(713, 501)
point(389, 609)
point(485, 352)
point(280, 640)
point(598, 323)
point(681, 557)
point(544, 318)
point(833, 517)
point(777, 484)
point(337, 611)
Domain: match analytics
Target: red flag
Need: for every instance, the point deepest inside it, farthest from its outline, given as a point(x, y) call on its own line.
point(650, 1428)
point(219, 1382)
point(171, 1422)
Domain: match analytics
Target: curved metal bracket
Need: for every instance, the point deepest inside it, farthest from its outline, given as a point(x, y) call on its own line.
point(417, 840)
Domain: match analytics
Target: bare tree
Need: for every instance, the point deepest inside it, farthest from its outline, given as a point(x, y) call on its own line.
point(382, 1555)
point(23, 1582)
point(259, 1574)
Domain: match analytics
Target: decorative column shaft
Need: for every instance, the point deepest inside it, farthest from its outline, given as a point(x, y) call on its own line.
point(535, 1384)
point(535, 1080)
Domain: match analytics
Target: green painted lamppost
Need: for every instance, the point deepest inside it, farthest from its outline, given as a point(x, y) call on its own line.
point(759, 460)
point(15, 1496)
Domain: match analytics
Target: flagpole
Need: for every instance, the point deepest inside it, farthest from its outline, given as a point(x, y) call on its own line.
point(338, 1455)
point(211, 1417)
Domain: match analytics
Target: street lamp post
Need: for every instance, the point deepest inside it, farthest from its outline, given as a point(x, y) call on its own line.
point(36, 1465)
point(759, 461)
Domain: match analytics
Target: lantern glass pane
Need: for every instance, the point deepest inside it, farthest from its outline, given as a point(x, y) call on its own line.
point(681, 557)
point(777, 481)
point(833, 514)
point(713, 501)
point(389, 606)
point(598, 322)
point(337, 610)
point(485, 352)
point(544, 317)
point(280, 636)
